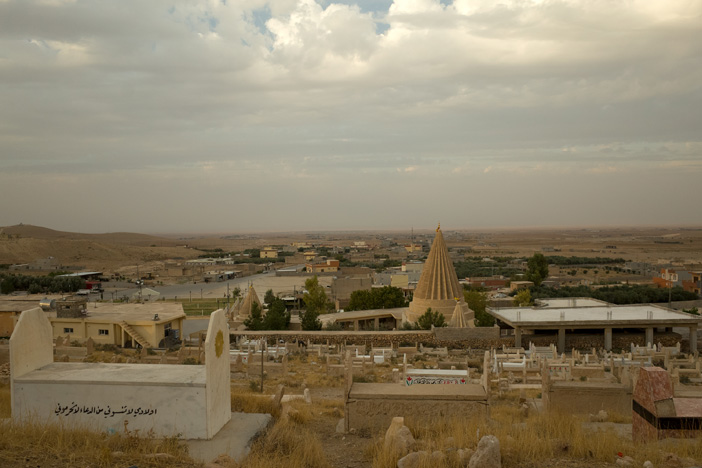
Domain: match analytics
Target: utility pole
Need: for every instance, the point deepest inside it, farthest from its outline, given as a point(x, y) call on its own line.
point(139, 282)
point(263, 343)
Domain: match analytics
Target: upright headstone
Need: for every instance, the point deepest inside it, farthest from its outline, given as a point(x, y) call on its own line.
point(218, 388)
point(90, 344)
point(31, 347)
point(143, 353)
point(59, 341)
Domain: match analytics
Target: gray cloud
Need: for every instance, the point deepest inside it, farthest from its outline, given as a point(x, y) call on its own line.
point(269, 105)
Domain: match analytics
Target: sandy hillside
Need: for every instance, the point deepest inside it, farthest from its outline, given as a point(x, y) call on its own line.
point(25, 244)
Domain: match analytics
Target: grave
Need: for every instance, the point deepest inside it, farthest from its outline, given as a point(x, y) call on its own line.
point(372, 406)
point(191, 402)
point(657, 414)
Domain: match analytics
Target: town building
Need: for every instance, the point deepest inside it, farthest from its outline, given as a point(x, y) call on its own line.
point(327, 266)
point(150, 325)
point(269, 252)
point(576, 315)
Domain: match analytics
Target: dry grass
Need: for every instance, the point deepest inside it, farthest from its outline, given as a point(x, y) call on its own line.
point(534, 439)
point(5, 402)
point(287, 444)
point(246, 401)
point(60, 445)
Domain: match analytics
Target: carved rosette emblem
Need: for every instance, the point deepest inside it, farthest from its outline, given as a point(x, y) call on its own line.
point(219, 343)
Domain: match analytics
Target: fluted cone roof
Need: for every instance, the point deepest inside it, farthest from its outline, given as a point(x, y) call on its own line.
point(250, 298)
point(438, 280)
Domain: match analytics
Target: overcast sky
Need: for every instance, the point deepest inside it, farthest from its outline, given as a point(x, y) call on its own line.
point(245, 115)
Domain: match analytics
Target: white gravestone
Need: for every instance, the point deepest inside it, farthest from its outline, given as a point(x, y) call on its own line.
point(191, 402)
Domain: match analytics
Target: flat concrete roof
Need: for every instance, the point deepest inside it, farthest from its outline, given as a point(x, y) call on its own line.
point(364, 314)
point(117, 374)
point(109, 312)
point(383, 391)
point(560, 302)
point(17, 306)
point(637, 315)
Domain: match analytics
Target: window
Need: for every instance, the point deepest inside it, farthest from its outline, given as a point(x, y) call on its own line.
point(68, 330)
point(103, 332)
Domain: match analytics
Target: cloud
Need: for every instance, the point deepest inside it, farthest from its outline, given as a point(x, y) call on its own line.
point(302, 90)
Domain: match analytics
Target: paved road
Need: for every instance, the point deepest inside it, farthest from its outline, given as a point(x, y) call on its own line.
point(199, 289)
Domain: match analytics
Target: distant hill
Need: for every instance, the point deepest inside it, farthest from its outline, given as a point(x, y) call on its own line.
point(38, 232)
point(25, 243)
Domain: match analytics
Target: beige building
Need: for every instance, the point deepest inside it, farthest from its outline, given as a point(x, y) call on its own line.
point(328, 266)
point(438, 287)
point(125, 325)
point(517, 285)
point(269, 252)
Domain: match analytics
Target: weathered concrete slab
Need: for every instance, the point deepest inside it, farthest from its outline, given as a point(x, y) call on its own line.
point(371, 407)
point(234, 439)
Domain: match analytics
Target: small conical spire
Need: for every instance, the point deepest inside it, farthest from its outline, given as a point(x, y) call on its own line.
point(458, 320)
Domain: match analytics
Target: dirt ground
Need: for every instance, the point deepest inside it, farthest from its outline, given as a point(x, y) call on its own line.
point(112, 251)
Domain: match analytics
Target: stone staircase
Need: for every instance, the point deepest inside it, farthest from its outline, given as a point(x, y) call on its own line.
point(135, 334)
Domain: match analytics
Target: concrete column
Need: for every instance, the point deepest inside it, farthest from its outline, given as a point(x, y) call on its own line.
point(693, 339)
point(608, 339)
point(517, 337)
point(649, 336)
point(376, 324)
point(561, 340)
point(355, 325)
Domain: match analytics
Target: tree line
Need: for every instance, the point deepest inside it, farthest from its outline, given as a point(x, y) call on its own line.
point(10, 283)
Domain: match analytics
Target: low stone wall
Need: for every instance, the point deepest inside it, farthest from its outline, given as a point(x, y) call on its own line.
point(456, 338)
point(482, 338)
point(589, 397)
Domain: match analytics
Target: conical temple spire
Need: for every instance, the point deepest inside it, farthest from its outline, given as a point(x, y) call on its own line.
point(438, 279)
point(251, 297)
point(438, 286)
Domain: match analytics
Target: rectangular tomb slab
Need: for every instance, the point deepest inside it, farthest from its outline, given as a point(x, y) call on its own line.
point(417, 392)
point(371, 407)
point(116, 374)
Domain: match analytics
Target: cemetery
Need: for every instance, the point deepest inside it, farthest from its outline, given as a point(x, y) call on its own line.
point(354, 393)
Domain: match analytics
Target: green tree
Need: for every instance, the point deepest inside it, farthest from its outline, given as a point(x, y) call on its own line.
point(429, 318)
point(360, 300)
point(7, 286)
point(477, 301)
point(315, 298)
point(255, 320)
point(387, 297)
point(277, 317)
point(269, 297)
point(523, 298)
point(310, 321)
point(316, 303)
point(537, 269)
